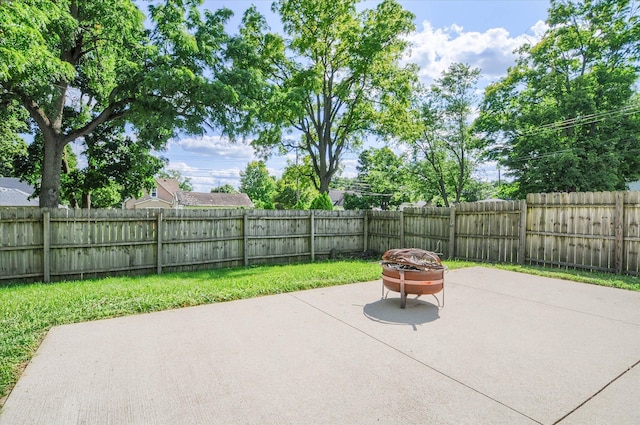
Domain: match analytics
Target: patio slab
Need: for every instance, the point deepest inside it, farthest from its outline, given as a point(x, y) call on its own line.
point(506, 348)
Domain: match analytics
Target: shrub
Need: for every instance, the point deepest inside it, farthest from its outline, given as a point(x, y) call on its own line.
point(321, 202)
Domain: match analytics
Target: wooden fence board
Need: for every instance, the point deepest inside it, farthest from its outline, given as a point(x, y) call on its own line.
point(580, 230)
point(572, 229)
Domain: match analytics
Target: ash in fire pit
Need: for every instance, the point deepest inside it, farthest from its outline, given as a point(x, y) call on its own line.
point(412, 271)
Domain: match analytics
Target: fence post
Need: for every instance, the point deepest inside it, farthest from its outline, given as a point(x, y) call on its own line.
point(159, 227)
point(366, 232)
point(313, 236)
point(46, 250)
point(619, 232)
point(402, 229)
point(452, 233)
point(522, 245)
point(245, 234)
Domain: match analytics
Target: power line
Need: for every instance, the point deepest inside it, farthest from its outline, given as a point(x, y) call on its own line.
point(584, 119)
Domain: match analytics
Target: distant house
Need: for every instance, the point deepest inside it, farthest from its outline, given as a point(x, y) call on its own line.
point(337, 198)
point(417, 204)
point(14, 193)
point(167, 194)
point(161, 196)
point(213, 200)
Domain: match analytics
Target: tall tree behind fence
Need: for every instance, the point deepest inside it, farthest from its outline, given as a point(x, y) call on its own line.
point(596, 231)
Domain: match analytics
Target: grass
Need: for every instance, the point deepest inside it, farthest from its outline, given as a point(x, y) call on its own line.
point(28, 311)
point(583, 276)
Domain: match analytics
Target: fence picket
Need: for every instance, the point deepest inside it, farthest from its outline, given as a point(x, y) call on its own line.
point(596, 231)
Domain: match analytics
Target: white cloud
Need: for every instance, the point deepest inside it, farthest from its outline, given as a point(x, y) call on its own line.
point(349, 168)
point(204, 179)
point(216, 146)
point(491, 51)
point(205, 184)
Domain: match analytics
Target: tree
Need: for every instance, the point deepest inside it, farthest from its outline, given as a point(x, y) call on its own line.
point(565, 117)
point(381, 181)
point(334, 78)
point(78, 65)
point(296, 188)
point(442, 141)
point(11, 151)
point(117, 168)
point(259, 186)
point(225, 188)
point(12, 146)
point(184, 183)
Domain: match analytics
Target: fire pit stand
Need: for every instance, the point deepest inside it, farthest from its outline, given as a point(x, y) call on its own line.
point(412, 271)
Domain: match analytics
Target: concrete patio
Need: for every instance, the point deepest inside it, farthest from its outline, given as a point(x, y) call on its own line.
point(507, 348)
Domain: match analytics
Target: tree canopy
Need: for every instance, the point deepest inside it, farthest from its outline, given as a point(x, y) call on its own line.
point(259, 186)
point(225, 188)
point(333, 78)
point(441, 138)
point(566, 117)
point(77, 66)
point(381, 181)
point(296, 188)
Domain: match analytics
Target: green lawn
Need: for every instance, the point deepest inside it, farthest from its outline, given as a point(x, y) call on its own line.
point(28, 311)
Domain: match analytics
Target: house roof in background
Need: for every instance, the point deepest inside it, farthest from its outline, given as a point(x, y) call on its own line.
point(337, 197)
point(16, 198)
point(15, 183)
point(203, 199)
point(14, 193)
point(171, 185)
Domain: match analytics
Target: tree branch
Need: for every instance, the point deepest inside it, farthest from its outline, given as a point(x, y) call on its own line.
point(109, 114)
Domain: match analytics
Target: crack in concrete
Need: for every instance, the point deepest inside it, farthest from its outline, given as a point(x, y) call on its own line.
point(417, 360)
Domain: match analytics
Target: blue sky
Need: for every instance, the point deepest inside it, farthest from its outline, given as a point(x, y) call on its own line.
point(480, 33)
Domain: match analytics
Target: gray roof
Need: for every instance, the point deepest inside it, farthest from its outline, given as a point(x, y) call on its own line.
point(171, 185)
point(203, 199)
point(16, 198)
point(14, 193)
point(337, 197)
point(15, 183)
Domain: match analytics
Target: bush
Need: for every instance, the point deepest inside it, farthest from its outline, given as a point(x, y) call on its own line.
point(321, 202)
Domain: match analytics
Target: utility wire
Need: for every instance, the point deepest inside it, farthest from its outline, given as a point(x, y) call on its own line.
point(585, 119)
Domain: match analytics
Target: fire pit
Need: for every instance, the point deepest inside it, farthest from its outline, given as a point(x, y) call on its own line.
point(412, 271)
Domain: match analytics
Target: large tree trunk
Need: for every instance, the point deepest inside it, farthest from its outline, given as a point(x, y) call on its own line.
point(325, 179)
point(86, 199)
point(51, 170)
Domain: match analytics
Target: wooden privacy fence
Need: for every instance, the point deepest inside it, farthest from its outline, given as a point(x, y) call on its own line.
point(55, 244)
point(596, 231)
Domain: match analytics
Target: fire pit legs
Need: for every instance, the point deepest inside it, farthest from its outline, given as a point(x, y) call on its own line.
point(403, 294)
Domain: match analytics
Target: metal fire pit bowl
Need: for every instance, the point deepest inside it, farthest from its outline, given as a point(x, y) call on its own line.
point(412, 271)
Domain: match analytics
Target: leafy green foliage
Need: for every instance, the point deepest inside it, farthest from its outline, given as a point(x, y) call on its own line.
point(382, 181)
point(259, 186)
point(321, 202)
point(11, 152)
point(75, 67)
point(296, 188)
point(225, 188)
point(565, 118)
point(12, 123)
point(441, 138)
point(117, 168)
point(332, 79)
